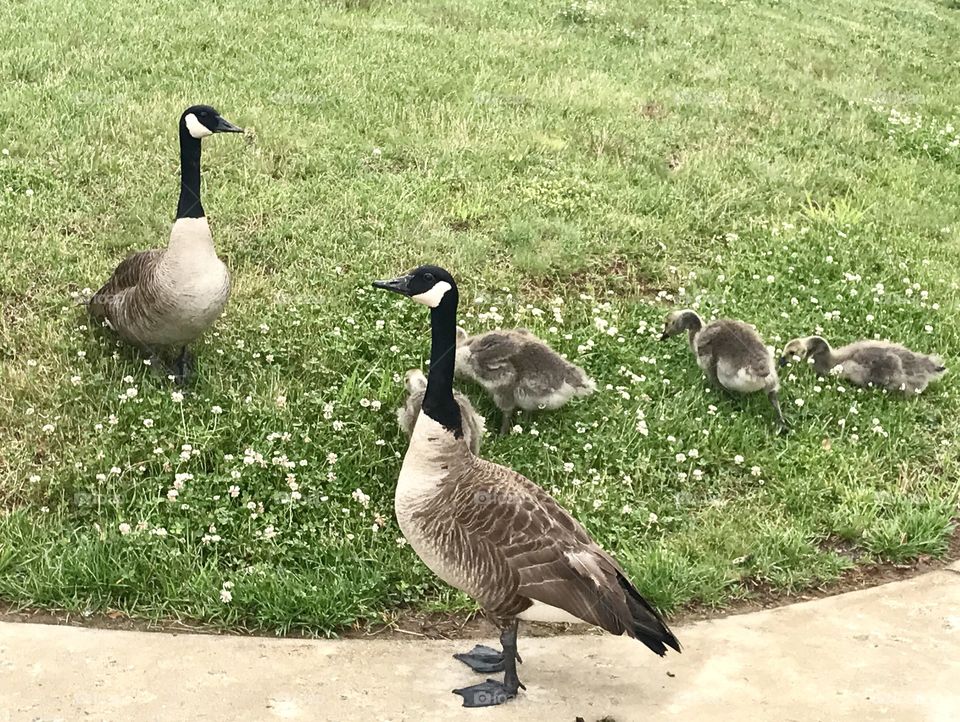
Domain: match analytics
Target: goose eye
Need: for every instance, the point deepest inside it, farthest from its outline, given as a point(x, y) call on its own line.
point(428, 277)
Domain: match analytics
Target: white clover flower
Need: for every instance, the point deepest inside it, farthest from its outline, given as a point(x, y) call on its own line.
point(75, 380)
point(148, 423)
point(681, 457)
point(216, 410)
point(653, 518)
point(48, 428)
point(172, 494)
point(234, 491)
point(131, 392)
point(568, 467)
point(738, 459)
point(755, 471)
point(332, 458)
point(361, 498)
point(281, 401)
point(693, 453)
point(799, 402)
point(124, 528)
point(226, 596)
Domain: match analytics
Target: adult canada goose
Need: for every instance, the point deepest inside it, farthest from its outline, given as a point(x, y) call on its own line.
point(168, 297)
point(416, 385)
point(491, 532)
point(519, 370)
point(731, 354)
point(887, 365)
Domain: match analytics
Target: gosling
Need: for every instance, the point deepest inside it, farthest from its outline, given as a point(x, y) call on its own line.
point(869, 363)
point(519, 371)
point(415, 382)
point(732, 355)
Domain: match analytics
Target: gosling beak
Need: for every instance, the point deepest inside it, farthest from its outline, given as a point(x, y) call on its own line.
point(664, 336)
point(399, 285)
point(783, 361)
point(225, 126)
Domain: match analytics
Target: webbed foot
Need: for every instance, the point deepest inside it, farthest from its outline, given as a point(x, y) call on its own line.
point(488, 694)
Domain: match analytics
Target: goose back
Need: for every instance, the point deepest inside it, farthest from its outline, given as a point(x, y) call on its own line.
point(517, 361)
point(735, 354)
point(889, 365)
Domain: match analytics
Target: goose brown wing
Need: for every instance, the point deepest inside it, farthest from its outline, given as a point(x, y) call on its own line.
point(128, 274)
point(553, 558)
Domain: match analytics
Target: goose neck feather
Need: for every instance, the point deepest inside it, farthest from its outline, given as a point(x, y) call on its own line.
point(189, 204)
point(438, 400)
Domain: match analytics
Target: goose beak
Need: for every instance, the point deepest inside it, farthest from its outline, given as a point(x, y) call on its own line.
point(783, 361)
point(399, 285)
point(664, 336)
point(225, 126)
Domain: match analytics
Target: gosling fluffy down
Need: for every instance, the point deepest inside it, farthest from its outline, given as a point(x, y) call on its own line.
point(519, 370)
point(415, 382)
point(731, 353)
point(864, 363)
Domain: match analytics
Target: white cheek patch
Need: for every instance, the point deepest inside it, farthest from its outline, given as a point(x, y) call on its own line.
point(196, 128)
point(434, 296)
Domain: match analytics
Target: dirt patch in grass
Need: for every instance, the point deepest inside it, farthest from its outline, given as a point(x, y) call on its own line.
point(409, 624)
point(617, 274)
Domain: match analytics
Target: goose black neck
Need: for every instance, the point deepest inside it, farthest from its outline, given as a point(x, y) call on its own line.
point(189, 205)
point(438, 401)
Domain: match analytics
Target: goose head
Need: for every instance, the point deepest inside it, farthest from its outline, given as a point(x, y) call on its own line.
point(199, 121)
point(414, 381)
point(679, 321)
point(461, 335)
point(802, 348)
point(425, 284)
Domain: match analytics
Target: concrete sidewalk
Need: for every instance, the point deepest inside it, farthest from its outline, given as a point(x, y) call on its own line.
point(888, 653)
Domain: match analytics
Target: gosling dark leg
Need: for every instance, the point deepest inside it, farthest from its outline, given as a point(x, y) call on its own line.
point(492, 692)
point(775, 402)
point(183, 367)
point(507, 422)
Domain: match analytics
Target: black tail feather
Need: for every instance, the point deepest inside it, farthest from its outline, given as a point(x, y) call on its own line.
point(648, 625)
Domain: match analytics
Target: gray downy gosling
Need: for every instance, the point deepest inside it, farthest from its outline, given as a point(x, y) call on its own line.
point(864, 363)
point(732, 355)
point(519, 370)
point(494, 534)
point(168, 297)
point(416, 385)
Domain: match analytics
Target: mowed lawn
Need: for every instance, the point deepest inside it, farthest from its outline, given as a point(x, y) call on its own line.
point(581, 168)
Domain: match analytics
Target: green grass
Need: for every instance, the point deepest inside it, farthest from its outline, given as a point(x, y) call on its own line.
point(582, 168)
